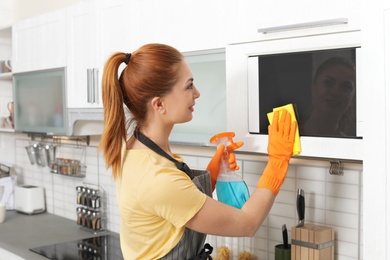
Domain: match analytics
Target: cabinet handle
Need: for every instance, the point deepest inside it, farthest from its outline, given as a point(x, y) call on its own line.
point(96, 85)
point(329, 22)
point(89, 85)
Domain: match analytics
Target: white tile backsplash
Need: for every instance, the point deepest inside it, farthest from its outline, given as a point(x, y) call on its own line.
point(330, 200)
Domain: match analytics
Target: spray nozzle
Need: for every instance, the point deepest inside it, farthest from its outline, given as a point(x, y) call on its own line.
point(226, 138)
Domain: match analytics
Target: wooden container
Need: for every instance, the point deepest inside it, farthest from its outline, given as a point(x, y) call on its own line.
point(312, 242)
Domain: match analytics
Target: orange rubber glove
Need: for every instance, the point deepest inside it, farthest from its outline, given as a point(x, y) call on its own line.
point(215, 162)
point(281, 135)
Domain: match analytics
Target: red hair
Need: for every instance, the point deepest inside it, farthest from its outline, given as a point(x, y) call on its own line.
point(151, 72)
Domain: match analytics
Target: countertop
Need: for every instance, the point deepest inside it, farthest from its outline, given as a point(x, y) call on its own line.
point(20, 232)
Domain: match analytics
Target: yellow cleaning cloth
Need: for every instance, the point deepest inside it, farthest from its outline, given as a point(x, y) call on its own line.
point(290, 109)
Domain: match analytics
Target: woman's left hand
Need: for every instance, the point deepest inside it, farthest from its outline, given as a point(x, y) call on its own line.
point(215, 162)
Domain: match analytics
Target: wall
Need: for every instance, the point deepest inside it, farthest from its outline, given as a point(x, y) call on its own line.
point(15, 10)
point(331, 200)
point(26, 8)
point(6, 12)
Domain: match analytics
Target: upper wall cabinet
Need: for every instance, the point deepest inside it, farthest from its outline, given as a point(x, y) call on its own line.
point(95, 30)
point(39, 42)
point(286, 18)
point(185, 25)
point(80, 38)
point(5, 79)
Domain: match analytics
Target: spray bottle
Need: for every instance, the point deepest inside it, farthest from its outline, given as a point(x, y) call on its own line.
point(231, 188)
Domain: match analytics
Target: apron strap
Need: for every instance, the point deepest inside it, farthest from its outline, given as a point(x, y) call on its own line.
point(154, 147)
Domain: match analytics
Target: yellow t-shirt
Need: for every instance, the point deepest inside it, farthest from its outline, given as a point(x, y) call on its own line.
point(155, 201)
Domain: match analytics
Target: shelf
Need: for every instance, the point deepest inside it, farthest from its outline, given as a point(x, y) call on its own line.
point(68, 167)
point(9, 130)
point(6, 76)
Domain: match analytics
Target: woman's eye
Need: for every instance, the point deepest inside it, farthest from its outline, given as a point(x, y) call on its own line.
point(347, 87)
point(190, 86)
point(328, 82)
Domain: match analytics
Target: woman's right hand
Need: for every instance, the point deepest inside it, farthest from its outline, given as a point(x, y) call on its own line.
point(281, 136)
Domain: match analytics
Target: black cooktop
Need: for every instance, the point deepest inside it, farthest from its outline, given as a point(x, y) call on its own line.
point(106, 247)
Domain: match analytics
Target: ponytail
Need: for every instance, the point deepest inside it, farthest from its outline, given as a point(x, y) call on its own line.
point(114, 132)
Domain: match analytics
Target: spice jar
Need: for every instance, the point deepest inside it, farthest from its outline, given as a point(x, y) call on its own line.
point(79, 194)
point(95, 199)
point(79, 215)
point(89, 219)
point(74, 167)
point(96, 221)
point(84, 196)
point(84, 217)
point(54, 167)
point(88, 198)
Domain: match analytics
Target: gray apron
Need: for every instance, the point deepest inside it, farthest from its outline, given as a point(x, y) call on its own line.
point(191, 246)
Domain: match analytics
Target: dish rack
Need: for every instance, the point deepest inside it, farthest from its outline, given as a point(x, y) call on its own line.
point(91, 214)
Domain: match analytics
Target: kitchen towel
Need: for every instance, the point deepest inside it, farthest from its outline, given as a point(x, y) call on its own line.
point(290, 109)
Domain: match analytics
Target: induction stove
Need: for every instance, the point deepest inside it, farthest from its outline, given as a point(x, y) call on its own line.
point(105, 247)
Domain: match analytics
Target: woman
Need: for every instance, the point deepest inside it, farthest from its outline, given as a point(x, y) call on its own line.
point(333, 100)
point(164, 211)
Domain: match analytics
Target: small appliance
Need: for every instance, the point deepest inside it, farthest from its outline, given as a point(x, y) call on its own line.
point(29, 199)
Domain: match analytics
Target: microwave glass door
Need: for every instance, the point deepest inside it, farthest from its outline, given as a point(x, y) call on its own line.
point(321, 85)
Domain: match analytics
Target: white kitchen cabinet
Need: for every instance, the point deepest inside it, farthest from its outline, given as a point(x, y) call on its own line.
point(5, 75)
point(376, 78)
point(209, 117)
point(81, 51)
point(95, 30)
point(185, 25)
point(247, 16)
point(39, 42)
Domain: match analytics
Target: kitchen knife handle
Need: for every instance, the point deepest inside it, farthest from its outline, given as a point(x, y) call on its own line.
point(285, 236)
point(301, 204)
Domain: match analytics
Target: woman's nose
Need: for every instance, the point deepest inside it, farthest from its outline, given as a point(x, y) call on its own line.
point(196, 92)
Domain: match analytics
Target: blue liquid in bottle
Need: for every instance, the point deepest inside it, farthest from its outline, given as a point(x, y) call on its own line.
point(233, 193)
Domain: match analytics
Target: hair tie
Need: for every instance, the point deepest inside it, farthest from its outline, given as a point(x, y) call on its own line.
point(128, 55)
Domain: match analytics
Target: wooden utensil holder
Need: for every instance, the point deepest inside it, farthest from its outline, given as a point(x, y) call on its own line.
point(312, 242)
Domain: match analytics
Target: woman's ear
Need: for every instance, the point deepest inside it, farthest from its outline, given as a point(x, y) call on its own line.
point(158, 104)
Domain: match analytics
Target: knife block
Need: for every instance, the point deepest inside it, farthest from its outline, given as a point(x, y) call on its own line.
point(312, 242)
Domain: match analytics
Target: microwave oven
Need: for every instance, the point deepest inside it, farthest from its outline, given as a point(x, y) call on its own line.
point(271, 73)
